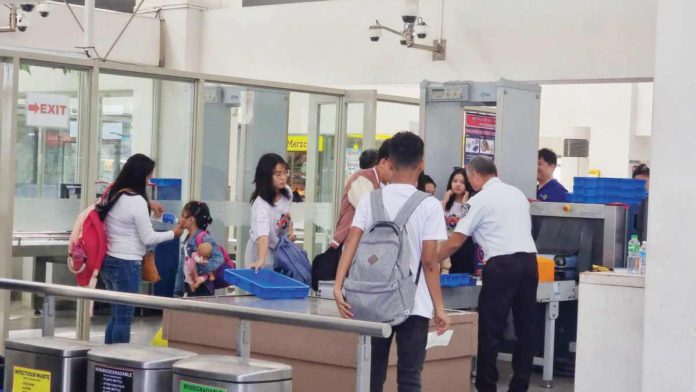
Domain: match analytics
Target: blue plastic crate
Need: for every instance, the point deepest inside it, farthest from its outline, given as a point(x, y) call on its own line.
point(455, 280)
point(266, 284)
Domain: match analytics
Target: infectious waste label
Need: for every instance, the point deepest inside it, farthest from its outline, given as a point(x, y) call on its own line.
point(31, 380)
point(191, 387)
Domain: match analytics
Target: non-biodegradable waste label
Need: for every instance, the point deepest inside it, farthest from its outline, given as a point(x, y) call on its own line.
point(192, 387)
point(107, 379)
point(31, 380)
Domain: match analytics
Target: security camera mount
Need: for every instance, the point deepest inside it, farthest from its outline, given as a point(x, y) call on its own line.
point(407, 38)
point(12, 27)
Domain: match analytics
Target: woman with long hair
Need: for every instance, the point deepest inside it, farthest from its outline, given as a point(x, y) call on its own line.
point(126, 216)
point(270, 211)
point(459, 191)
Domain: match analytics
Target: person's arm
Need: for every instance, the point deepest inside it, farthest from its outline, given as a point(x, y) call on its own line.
point(141, 216)
point(431, 271)
point(262, 250)
point(156, 208)
point(450, 246)
point(216, 258)
point(449, 194)
point(349, 248)
point(260, 224)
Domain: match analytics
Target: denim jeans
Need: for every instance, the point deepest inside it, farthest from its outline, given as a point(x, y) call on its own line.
point(124, 276)
point(411, 337)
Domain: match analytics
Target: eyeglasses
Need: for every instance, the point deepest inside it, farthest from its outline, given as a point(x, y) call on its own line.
point(285, 173)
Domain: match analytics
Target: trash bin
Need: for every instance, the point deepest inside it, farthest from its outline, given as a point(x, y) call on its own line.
point(132, 368)
point(46, 364)
point(216, 373)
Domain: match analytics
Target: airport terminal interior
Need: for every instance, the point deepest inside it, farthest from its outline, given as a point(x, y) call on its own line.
point(584, 109)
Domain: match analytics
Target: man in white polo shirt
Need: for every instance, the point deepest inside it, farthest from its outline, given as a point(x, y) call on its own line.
point(498, 218)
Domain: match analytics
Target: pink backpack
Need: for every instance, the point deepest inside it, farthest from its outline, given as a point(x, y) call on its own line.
point(219, 282)
point(87, 247)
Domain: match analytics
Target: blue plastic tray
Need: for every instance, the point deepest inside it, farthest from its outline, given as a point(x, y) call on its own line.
point(266, 284)
point(455, 280)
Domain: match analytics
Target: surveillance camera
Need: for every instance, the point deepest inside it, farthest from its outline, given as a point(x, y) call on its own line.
point(375, 33)
point(22, 22)
point(409, 11)
point(44, 9)
point(27, 7)
point(421, 29)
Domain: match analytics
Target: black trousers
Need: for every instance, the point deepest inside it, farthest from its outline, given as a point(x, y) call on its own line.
point(509, 282)
point(411, 337)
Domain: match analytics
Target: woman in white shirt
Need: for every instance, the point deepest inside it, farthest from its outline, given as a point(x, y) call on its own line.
point(455, 207)
point(270, 211)
point(126, 216)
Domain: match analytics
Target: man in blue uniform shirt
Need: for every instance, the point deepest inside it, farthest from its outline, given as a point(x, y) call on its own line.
point(548, 189)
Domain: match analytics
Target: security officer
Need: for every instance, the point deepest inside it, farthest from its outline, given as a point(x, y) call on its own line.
point(499, 218)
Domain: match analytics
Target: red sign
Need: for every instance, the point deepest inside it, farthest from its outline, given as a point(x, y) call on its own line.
point(480, 121)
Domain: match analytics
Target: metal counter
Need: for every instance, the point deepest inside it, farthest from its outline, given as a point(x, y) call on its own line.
point(41, 245)
point(310, 312)
point(551, 293)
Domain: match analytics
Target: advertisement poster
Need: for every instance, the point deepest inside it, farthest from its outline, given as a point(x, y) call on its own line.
point(479, 135)
point(352, 160)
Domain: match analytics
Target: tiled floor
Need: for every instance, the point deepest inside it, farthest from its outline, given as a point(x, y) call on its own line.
point(560, 384)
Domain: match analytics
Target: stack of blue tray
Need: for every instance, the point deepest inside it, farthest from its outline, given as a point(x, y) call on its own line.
point(596, 190)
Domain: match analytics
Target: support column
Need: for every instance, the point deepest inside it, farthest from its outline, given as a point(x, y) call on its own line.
point(669, 347)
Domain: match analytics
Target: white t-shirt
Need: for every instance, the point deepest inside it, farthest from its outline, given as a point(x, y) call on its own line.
point(499, 220)
point(426, 224)
point(268, 220)
point(129, 230)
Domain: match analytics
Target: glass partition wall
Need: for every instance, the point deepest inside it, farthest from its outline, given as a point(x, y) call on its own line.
point(69, 125)
point(240, 124)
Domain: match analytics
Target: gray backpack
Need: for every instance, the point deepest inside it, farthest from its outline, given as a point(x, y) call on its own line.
point(379, 286)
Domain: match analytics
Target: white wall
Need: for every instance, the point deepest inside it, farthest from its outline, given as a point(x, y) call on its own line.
point(326, 42)
point(613, 112)
point(669, 350)
point(59, 33)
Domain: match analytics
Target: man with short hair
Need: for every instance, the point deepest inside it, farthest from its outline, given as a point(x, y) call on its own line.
point(548, 188)
point(369, 158)
point(359, 184)
point(424, 229)
point(498, 216)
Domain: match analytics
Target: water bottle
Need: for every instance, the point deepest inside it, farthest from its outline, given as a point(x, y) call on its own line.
point(643, 256)
point(633, 259)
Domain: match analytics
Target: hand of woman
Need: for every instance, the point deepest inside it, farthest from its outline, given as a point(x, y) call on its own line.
point(156, 208)
point(178, 230)
point(257, 265)
point(466, 197)
point(292, 237)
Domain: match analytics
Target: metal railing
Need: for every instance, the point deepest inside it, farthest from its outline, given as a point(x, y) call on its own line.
point(364, 329)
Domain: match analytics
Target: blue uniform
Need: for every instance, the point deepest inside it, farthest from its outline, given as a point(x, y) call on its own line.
point(553, 191)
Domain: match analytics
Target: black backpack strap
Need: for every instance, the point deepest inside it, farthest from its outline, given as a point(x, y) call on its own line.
point(377, 205)
point(409, 207)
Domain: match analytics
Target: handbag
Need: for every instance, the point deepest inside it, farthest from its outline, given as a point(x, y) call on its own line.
point(149, 270)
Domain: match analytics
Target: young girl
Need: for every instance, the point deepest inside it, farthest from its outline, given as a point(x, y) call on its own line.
point(195, 217)
point(454, 205)
point(270, 211)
